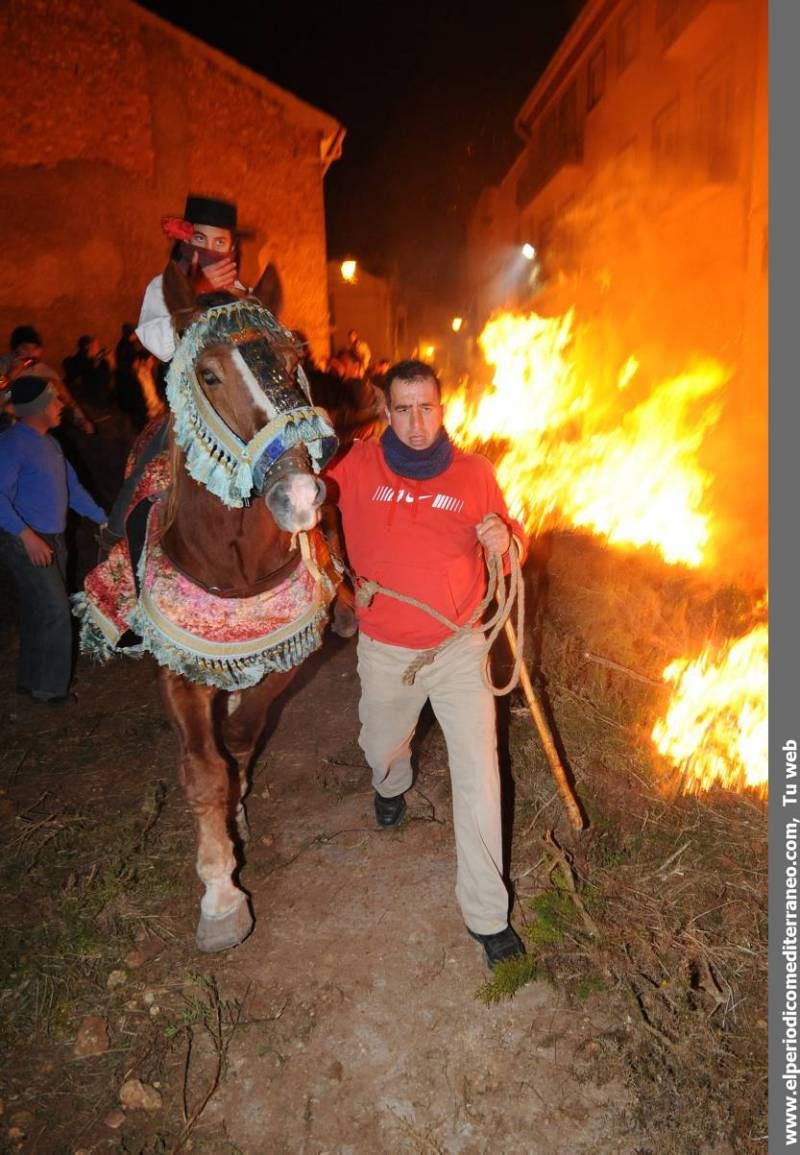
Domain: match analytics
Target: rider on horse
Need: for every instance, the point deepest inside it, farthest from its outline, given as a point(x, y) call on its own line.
point(205, 250)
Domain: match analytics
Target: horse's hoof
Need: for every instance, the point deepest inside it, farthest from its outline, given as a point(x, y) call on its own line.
point(228, 930)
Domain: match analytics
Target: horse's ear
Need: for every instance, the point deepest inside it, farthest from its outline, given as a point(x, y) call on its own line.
point(269, 290)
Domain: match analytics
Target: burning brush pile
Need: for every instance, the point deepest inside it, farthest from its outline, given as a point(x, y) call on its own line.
point(648, 640)
point(619, 460)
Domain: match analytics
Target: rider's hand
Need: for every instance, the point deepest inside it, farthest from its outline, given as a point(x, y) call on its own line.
point(221, 274)
point(494, 534)
point(38, 551)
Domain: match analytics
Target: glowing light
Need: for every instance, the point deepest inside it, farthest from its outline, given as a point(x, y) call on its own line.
point(428, 352)
point(528, 251)
point(349, 269)
point(456, 324)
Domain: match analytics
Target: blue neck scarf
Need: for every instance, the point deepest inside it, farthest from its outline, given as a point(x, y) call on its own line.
point(418, 464)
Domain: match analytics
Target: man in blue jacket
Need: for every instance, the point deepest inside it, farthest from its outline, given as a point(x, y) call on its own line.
point(37, 487)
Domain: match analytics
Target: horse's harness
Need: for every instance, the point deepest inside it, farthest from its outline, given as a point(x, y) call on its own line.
point(214, 455)
point(280, 468)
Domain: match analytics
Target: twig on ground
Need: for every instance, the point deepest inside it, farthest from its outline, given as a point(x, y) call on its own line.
point(645, 1019)
point(668, 861)
point(559, 859)
point(601, 661)
point(213, 1018)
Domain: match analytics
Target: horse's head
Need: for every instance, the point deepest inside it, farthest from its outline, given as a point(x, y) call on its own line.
point(243, 414)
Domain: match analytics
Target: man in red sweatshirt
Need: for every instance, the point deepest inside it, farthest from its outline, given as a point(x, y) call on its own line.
point(417, 515)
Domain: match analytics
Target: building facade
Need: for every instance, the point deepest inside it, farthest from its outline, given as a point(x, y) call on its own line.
point(653, 113)
point(642, 190)
point(111, 115)
point(367, 303)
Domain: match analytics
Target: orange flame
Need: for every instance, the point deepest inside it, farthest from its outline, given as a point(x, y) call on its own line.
point(576, 453)
point(715, 728)
point(621, 459)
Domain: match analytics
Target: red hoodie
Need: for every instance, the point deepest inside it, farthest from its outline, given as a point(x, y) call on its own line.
point(418, 538)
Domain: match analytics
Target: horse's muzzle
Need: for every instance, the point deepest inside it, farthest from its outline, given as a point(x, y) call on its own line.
point(292, 492)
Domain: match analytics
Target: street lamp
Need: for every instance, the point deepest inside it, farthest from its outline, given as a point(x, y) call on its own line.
point(528, 251)
point(348, 270)
point(456, 324)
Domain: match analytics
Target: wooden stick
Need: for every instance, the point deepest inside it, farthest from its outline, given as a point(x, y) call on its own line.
point(568, 798)
point(601, 661)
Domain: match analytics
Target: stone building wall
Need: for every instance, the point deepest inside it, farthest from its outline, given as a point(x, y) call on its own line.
point(109, 116)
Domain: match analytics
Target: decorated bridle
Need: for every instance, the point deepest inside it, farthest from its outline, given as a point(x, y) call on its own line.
point(215, 456)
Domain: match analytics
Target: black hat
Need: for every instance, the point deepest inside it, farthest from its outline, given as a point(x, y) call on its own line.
point(209, 211)
point(30, 395)
point(25, 335)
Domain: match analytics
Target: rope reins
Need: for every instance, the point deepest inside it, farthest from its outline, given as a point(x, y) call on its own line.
point(496, 590)
point(500, 620)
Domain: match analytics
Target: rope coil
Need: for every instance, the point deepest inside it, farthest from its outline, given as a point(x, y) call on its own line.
point(496, 590)
point(500, 620)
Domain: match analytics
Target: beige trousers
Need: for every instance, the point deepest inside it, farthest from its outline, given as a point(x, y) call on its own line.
point(465, 710)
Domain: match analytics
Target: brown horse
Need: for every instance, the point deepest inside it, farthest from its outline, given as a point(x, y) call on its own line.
point(231, 588)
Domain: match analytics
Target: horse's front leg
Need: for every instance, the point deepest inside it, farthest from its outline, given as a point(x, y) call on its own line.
point(225, 916)
point(244, 727)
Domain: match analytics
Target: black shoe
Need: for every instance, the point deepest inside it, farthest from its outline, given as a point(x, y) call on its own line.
point(389, 811)
point(499, 947)
point(56, 700)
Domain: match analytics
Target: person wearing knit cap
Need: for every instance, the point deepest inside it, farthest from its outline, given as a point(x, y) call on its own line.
point(37, 487)
point(25, 356)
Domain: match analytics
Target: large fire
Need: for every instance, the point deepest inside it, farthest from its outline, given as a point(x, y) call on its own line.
point(715, 727)
point(591, 457)
point(620, 457)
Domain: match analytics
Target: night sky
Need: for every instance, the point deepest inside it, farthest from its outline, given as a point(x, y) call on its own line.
point(427, 93)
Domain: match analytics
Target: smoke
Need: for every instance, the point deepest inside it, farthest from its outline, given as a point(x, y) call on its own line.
point(671, 271)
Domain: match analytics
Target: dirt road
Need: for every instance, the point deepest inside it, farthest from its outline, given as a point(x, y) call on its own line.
point(358, 1029)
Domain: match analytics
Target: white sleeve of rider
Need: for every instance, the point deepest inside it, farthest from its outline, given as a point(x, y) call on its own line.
point(155, 329)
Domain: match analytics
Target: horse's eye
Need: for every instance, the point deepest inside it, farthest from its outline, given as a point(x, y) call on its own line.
point(209, 377)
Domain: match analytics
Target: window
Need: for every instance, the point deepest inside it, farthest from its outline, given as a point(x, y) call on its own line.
point(625, 167)
point(567, 249)
point(716, 135)
point(568, 123)
point(671, 18)
point(628, 36)
point(665, 135)
point(596, 77)
point(545, 244)
point(549, 136)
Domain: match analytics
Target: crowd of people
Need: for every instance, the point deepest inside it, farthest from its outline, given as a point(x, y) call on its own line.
point(417, 515)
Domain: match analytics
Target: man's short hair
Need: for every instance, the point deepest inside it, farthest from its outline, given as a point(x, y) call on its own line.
point(410, 370)
point(24, 335)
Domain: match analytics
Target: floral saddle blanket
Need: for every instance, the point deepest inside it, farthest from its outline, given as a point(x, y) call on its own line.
point(143, 604)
